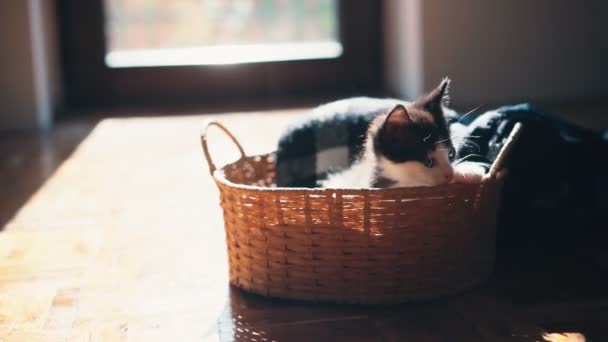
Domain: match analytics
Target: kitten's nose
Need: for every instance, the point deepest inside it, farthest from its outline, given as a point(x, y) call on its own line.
point(449, 174)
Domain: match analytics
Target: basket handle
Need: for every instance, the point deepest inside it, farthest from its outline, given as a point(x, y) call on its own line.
point(210, 162)
point(504, 152)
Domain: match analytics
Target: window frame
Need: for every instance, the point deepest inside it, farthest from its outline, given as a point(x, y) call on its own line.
point(89, 82)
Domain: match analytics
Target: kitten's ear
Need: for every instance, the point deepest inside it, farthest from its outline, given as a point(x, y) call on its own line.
point(398, 117)
point(436, 98)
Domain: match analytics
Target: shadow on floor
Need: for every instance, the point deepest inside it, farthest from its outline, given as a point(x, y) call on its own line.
point(27, 160)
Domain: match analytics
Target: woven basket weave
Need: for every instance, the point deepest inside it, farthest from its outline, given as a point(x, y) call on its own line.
point(355, 246)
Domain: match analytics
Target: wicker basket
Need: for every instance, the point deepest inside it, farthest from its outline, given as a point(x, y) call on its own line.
point(355, 246)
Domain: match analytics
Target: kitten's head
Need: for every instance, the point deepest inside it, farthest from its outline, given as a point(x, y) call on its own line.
point(412, 143)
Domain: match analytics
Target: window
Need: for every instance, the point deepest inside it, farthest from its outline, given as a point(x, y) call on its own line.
point(190, 51)
point(211, 32)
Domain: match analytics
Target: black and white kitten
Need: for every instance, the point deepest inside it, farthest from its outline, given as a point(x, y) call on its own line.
point(408, 146)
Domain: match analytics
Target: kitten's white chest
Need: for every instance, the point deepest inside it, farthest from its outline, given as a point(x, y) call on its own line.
point(359, 175)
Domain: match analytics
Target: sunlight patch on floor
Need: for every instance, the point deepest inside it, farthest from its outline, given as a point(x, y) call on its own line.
point(564, 337)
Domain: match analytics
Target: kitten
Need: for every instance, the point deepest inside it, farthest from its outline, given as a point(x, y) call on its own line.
point(408, 146)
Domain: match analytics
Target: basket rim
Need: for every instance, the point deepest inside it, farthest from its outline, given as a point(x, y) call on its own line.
point(220, 177)
point(496, 173)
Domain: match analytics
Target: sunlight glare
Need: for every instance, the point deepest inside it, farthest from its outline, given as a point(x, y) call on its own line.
point(223, 54)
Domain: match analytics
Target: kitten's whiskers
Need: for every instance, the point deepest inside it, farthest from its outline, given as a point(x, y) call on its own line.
point(440, 141)
point(465, 142)
point(456, 162)
point(469, 112)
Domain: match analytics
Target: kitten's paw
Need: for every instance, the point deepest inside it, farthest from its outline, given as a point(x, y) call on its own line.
point(468, 173)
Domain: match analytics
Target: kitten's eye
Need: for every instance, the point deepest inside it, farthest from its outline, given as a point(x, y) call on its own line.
point(429, 162)
point(451, 153)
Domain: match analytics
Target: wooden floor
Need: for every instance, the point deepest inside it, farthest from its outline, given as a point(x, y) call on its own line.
point(112, 231)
